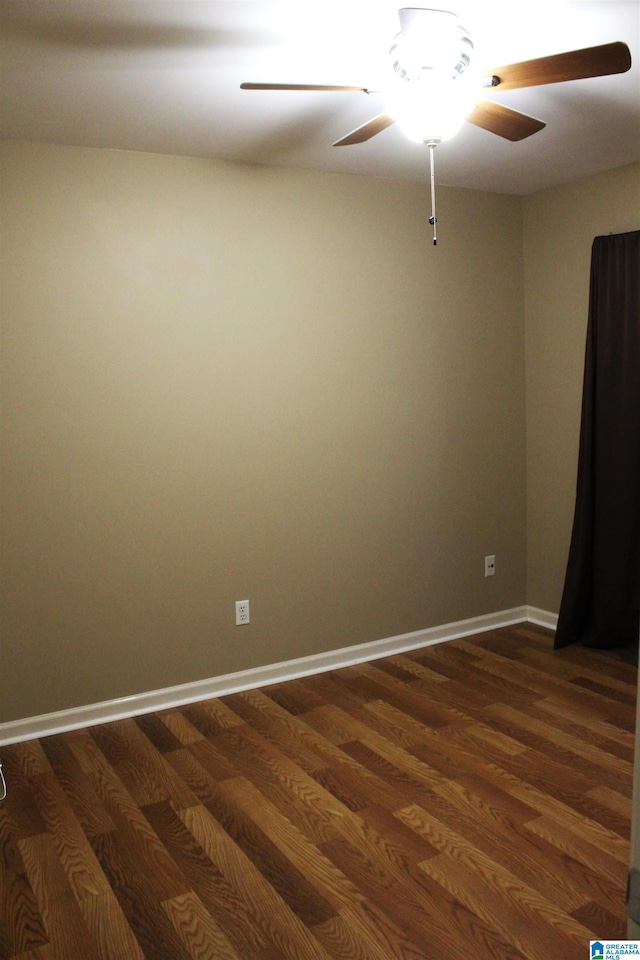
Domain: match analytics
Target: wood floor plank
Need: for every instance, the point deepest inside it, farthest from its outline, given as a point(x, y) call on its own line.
point(535, 778)
point(608, 855)
point(612, 705)
point(409, 778)
point(60, 912)
point(46, 952)
point(514, 909)
point(492, 828)
point(213, 760)
point(31, 758)
point(286, 879)
point(365, 932)
point(382, 753)
point(565, 816)
point(312, 807)
point(331, 688)
point(408, 665)
point(603, 767)
point(521, 920)
point(401, 845)
point(330, 882)
point(588, 729)
point(199, 780)
point(355, 786)
point(413, 710)
point(469, 798)
point(20, 815)
point(139, 898)
point(256, 906)
point(278, 726)
point(211, 717)
point(109, 928)
point(616, 801)
point(196, 844)
point(139, 765)
point(182, 729)
point(201, 935)
point(135, 834)
point(607, 686)
point(21, 923)
point(596, 917)
point(157, 732)
point(543, 787)
point(496, 740)
point(78, 788)
point(558, 681)
point(293, 697)
point(497, 643)
point(87, 752)
point(617, 678)
point(450, 930)
point(73, 850)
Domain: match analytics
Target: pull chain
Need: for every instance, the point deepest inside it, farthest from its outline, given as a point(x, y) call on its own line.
point(433, 219)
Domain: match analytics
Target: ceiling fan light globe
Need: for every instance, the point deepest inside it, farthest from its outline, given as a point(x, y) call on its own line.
point(433, 108)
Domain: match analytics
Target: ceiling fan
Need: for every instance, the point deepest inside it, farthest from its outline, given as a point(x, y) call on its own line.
point(434, 85)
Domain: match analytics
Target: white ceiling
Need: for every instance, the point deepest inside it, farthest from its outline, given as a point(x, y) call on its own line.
point(164, 76)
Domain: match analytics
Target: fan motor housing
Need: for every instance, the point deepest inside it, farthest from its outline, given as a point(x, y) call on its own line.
point(409, 67)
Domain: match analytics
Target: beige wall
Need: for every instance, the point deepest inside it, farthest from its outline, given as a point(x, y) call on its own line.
point(559, 229)
point(224, 382)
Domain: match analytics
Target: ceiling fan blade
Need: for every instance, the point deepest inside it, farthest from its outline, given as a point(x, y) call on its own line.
point(599, 61)
point(329, 88)
point(503, 121)
point(366, 131)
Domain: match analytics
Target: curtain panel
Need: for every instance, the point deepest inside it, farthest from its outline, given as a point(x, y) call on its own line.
point(600, 599)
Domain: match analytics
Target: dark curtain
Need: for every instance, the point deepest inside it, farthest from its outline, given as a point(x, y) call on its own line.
point(600, 600)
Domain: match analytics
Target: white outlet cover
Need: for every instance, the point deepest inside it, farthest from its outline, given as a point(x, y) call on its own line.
point(243, 614)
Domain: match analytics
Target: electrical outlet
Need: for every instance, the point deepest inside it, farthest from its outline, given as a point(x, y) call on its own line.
point(490, 566)
point(242, 612)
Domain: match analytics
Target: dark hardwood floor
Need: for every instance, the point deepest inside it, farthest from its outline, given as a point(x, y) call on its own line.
point(467, 800)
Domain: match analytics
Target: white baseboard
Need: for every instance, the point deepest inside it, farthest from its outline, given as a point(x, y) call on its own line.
point(542, 618)
point(47, 724)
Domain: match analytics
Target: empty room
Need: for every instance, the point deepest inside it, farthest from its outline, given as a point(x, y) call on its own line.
point(306, 649)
